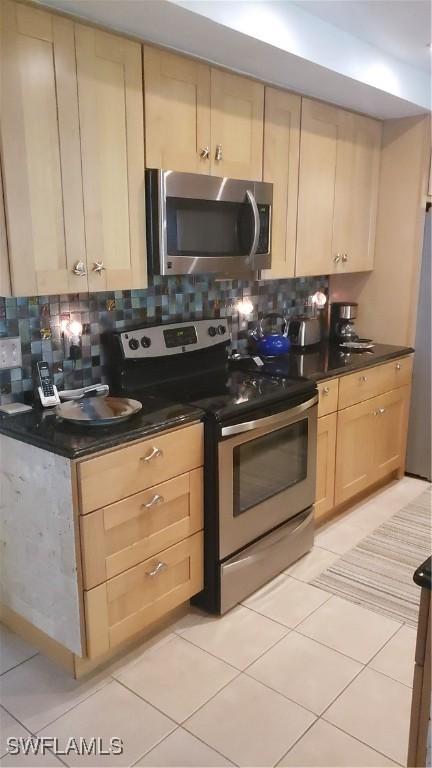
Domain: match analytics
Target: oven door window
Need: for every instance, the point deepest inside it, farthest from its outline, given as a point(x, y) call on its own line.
point(268, 465)
point(208, 227)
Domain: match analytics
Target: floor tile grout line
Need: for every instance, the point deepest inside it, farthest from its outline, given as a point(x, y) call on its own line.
point(365, 743)
point(33, 734)
point(198, 738)
point(297, 740)
point(155, 745)
point(364, 666)
point(320, 715)
point(161, 712)
point(342, 653)
point(20, 663)
point(297, 703)
point(242, 669)
point(240, 605)
point(338, 728)
point(81, 701)
point(304, 618)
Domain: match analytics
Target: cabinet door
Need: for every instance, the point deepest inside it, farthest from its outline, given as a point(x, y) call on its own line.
point(237, 112)
point(326, 458)
point(177, 112)
point(41, 151)
point(354, 450)
point(356, 192)
point(281, 161)
point(4, 263)
point(318, 153)
point(132, 601)
point(112, 140)
point(391, 424)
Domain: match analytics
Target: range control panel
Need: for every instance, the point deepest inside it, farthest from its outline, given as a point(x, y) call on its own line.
point(173, 339)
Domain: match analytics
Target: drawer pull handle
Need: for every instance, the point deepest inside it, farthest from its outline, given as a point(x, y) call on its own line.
point(157, 499)
point(363, 379)
point(159, 568)
point(398, 366)
point(326, 390)
point(381, 411)
point(154, 453)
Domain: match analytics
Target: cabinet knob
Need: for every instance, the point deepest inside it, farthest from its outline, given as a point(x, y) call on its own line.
point(159, 568)
point(325, 390)
point(398, 366)
point(154, 453)
point(337, 258)
point(381, 411)
point(218, 153)
point(98, 266)
point(204, 153)
point(344, 257)
point(79, 269)
point(157, 499)
point(363, 379)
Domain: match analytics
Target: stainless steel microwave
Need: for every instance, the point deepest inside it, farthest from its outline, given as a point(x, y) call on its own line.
point(199, 224)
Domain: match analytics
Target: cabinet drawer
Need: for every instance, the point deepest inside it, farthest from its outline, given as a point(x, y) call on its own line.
point(132, 601)
point(371, 382)
point(124, 534)
point(328, 397)
point(399, 372)
point(121, 473)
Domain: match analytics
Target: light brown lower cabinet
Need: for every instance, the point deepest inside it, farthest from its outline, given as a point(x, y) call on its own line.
point(371, 441)
point(119, 608)
point(326, 456)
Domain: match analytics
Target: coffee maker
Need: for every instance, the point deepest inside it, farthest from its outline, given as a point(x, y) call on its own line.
point(342, 316)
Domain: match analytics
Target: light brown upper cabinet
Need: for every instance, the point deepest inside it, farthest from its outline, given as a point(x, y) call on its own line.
point(338, 188)
point(280, 166)
point(41, 151)
point(237, 112)
point(200, 119)
point(356, 192)
point(73, 155)
point(4, 262)
point(109, 73)
point(177, 112)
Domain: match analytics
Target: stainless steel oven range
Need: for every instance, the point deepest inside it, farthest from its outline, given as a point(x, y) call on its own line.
point(260, 449)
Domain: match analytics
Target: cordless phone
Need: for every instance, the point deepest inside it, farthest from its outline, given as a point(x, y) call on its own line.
point(47, 389)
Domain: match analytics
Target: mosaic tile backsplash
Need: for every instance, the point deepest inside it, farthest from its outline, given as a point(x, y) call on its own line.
point(38, 321)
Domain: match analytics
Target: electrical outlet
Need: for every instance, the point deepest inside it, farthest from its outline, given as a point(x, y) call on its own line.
point(10, 352)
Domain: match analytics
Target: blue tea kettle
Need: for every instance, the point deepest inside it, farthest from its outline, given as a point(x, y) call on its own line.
point(271, 340)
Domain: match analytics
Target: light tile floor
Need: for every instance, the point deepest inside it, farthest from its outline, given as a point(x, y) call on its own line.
point(293, 677)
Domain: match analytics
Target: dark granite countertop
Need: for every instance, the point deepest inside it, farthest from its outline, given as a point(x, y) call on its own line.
point(423, 576)
point(42, 429)
point(326, 360)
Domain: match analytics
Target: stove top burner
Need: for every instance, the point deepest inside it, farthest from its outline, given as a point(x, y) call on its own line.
point(201, 376)
point(224, 392)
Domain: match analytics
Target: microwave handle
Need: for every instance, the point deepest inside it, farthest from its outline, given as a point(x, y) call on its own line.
point(257, 225)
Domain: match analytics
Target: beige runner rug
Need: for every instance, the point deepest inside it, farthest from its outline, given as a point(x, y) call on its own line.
point(377, 573)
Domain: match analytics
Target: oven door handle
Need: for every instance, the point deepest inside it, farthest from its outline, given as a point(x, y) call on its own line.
point(257, 226)
point(267, 421)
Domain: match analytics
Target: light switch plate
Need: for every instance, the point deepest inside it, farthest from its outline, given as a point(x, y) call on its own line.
point(10, 352)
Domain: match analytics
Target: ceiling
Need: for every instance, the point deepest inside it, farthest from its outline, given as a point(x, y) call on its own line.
point(401, 28)
point(313, 47)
